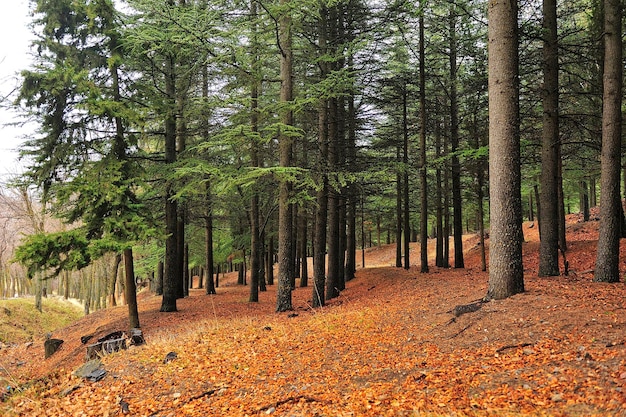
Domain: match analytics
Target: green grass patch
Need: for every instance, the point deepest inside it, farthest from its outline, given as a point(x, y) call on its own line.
point(21, 322)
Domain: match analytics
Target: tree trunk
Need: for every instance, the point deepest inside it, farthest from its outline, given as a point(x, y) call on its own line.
point(548, 220)
point(269, 261)
point(333, 243)
point(423, 171)
point(561, 207)
point(116, 266)
point(398, 214)
point(131, 289)
point(255, 220)
point(333, 238)
point(439, 235)
point(607, 261)
point(506, 273)
point(285, 252)
point(405, 182)
point(454, 143)
point(446, 210)
point(170, 276)
point(159, 284)
point(186, 277)
point(321, 212)
point(180, 252)
point(351, 244)
point(303, 236)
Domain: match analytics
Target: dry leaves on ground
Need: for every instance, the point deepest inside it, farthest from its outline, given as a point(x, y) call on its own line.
point(388, 346)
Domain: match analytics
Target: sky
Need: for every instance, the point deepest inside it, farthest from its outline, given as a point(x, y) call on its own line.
point(14, 56)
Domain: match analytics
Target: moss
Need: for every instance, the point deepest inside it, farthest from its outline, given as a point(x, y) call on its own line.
point(21, 322)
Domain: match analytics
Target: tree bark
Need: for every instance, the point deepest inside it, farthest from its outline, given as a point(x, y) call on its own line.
point(131, 289)
point(506, 275)
point(112, 302)
point(398, 214)
point(255, 220)
point(423, 171)
point(285, 238)
point(457, 202)
point(548, 221)
point(405, 181)
point(607, 261)
point(439, 235)
point(170, 276)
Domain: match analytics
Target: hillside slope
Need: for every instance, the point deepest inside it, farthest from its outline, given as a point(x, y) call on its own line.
point(389, 345)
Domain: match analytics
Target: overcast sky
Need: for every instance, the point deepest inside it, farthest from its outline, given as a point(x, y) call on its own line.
point(14, 57)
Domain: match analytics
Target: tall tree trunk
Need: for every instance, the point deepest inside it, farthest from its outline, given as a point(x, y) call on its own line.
point(269, 264)
point(321, 216)
point(398, 214)
point(208, 239)
point(332, 281)
point(159, 286)
point(170, 277)
point(303, 236)
point(255, 242)
point(131, 289)
point(333, 239)
point(180, 252)
point(454, 143)
point(423, 172)
point(405, 181)
point(439, 205)
point(351, 244)
point(285, 238)
point(111, 290)
point(446, 208)
point(549, 245)
point(186, 276)
point(561, 206)
point(607, 261)
point(351, 192)
point(506, 272)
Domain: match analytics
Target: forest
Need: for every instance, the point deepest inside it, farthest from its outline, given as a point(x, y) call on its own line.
point(317, 208)
point(188, 138)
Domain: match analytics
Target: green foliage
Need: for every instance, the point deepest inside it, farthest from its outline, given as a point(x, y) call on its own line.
point(59, 251)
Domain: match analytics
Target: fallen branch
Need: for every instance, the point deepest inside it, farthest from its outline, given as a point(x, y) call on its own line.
point(468, 308)
point(612, 344)
point(460, 331)
point(289, 400)
point(507, 347)
point(202, 395)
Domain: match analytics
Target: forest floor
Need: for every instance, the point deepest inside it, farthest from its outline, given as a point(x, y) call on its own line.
point(390, 345)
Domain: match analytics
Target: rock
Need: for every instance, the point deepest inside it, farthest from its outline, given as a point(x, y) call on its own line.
point(68, 391)
point(124, 406)
point(136, 337)
point(91, 371)
point(170, 357)
point(87, 368)
point(51, 346)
